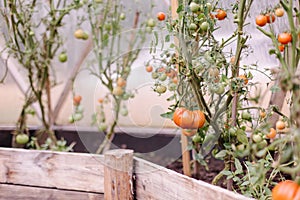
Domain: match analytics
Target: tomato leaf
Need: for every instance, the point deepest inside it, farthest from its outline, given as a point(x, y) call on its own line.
point(242, 137)
point(168, 115)
point(238, 166)
point(221, 154)
point(167, 38)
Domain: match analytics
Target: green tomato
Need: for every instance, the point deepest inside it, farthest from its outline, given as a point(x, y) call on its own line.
point(196, 138)
point(193, 26)
point(85, 36)
point(160, 89)
point(71, 119)
point(204, 26)
point(162, 77)
point(77, 116)
point(126, 96)
point(208, 6)
point(98, 1)
point(219, 89)
point(246, 115)
point(102, 127)
point(108, 27)
point(154, 75)
point(79, 109)
point(262, 144)
point(232, 131)
point(172, 86)
point(22, 138)
point(124, 112)
point(122, 16)
point(151, 23)
point(256, 138)
point(63, 57)
point(194, 7)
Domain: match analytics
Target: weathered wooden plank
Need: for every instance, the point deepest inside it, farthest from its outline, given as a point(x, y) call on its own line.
point(70, 171)
point(159, 183)
point(118, 174)
point(18, 192)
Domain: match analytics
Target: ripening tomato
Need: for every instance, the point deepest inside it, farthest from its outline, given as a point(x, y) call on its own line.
point(261, 20)
point(188, 119)
point(271, 134)
point(281, 48)
point(100, 100)
point(284, 38)
point(221, 14)
point(280, 125)
point(161, 16)
point(286, 190)
point(262, 114)
point(121, 82)
point(270, 18)
point(79, 34)
point(118, 91)
point(244, 78)
point(149, 68)
point(279, 12)
point(77, 100)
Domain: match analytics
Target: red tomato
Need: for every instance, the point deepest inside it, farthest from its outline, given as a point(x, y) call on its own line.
point(286, 190)
point(270, 18)
point(161, 16)
point(281, 48)
point(221, 14)
point(284, 38)
point(261, 20)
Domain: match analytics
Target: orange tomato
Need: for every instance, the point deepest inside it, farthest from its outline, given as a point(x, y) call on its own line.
point(221, 14)
point(188, 119)
point(280, 125)
point(149, 68)
point(175, 80)
point(244, 78)
point(271, 134)
point(121, 82)
point(77, 99)
point(262, 114)
point(284, 38)
point(161, 16)
point(261, 20)
point(286, 190)
point(100, 100)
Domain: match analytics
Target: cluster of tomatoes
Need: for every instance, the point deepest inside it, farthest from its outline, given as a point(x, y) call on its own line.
point(201, 17)
point(270, 17)
point(78, 111)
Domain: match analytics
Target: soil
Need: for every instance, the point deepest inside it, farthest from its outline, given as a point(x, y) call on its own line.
point(214, 167)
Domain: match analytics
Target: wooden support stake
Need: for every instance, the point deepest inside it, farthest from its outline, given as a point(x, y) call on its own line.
point(118, 167)
point(186, 158)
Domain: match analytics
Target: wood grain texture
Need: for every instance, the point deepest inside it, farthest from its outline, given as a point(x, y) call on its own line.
point(17, 192)
point(118, 174)
point(70, 171)
point(159, 183)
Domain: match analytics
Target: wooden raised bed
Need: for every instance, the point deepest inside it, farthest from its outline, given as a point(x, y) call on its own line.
point(38, 175)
